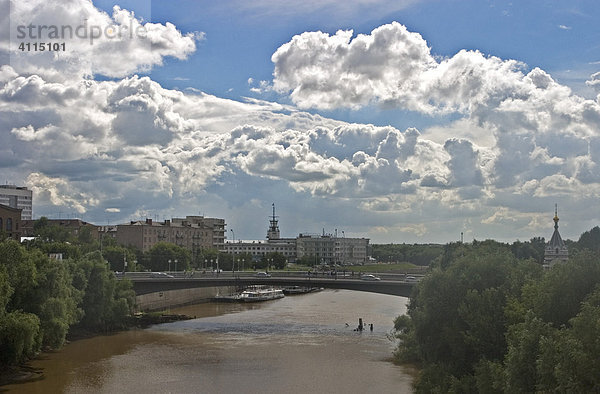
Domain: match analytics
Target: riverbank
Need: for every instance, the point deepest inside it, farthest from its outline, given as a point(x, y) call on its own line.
point(24, 373)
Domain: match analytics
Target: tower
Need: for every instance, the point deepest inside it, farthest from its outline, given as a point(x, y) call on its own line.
point(556, 251)
point(273, 232)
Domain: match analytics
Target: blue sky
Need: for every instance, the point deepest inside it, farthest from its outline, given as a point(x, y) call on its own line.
point(429, 119)
point(560, 37)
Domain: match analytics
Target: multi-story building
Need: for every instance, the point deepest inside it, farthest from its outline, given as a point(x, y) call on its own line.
point(331, 249)
point(192, 233)
point(10, 222)
point(18, 197)
point(324, 249)
point(273, 243)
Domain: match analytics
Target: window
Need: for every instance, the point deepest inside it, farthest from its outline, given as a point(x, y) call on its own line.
point(0, 223)
point(9, 224)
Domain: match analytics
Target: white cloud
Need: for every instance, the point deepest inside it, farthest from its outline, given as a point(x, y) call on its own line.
point(518, 139)
point(114, 45)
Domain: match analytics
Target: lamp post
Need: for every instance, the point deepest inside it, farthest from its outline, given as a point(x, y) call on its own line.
point(175, 265)
point(169, 265)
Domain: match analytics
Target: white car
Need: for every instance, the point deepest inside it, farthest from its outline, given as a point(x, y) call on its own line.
point(160, 275)
point(262, 275)
point(370, 277)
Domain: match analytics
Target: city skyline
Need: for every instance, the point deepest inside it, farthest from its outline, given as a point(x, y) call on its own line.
point(404, 121)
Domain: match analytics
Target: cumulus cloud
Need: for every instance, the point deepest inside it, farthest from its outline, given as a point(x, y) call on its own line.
point(518, 138)
point(538, 126)
point(95, 42)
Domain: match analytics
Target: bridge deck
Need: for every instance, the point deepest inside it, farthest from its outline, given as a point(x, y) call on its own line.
point(145, 285)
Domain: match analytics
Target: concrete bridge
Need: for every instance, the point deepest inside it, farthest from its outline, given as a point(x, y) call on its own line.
point(157, 293)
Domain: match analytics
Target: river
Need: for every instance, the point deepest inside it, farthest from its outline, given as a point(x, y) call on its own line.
point(301, 343)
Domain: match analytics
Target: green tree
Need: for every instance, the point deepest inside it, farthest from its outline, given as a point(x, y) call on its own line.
point(274, 259)
point(590, 240)
point(20, 337)
point(107, 303)
point(456, 317)
point(116, 257)
point(523, 353)
point(160, 254)
point(43, 287)
point(557, 297)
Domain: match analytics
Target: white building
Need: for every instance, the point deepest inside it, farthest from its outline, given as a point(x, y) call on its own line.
point(556, 251)
point(19, 198)
point(331, 249)
point(273, 244)
point(325, 249)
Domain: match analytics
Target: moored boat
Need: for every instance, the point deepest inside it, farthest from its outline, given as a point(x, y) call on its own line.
point(255, 294)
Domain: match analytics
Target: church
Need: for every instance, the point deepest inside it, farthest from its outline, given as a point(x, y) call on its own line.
point(556, 251)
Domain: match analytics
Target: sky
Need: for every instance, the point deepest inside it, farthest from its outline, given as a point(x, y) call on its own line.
point(401, 121)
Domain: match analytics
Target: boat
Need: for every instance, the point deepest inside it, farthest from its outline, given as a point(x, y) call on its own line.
point(228, 298)
point(255, 294)
point(299, 289)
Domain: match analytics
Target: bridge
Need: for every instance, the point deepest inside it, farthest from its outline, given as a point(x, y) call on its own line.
point(393, 285)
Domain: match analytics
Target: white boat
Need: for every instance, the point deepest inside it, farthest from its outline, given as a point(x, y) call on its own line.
point(255, 294)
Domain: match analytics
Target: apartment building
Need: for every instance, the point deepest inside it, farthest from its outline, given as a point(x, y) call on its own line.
point(18, 197)
point(191, 233)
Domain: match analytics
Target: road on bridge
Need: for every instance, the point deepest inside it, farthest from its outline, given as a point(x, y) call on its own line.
point(393, 284)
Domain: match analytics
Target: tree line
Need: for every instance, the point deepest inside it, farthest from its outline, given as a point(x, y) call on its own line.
point(43, 299)
point(488, 320)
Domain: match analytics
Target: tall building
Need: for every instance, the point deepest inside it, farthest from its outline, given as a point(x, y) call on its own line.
point(192, 233)
point(556, 251)
point(18, 197)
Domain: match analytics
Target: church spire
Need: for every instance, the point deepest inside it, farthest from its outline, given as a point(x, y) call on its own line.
point(556, 250)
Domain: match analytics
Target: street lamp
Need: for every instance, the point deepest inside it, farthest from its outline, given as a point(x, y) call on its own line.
point(169, 265)
point(175, 265)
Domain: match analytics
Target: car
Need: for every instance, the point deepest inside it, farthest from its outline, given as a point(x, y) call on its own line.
point(160, 275)
point(370, 277)
point(411, 279)
point(262, 275)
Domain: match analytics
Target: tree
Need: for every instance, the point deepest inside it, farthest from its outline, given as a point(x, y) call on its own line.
point(20, 337)
point(523, 351)
point(107, 303)
point(590, 240)
point(274, 259)
point(43, 287)
point(116, 257)
point(456, 318)
point(557, 297)
point(160, 254)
